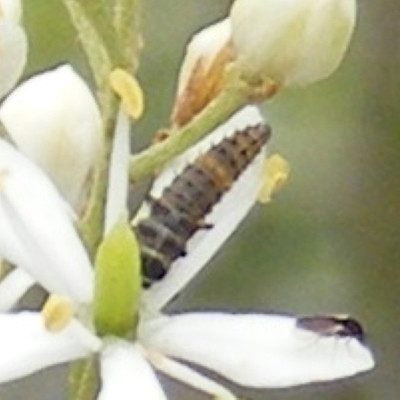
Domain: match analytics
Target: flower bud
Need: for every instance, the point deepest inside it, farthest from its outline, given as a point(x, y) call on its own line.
point(201, 74)
point(54, 119)
point(293, 42)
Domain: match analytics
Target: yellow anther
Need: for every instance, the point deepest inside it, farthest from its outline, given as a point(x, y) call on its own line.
point(275, 175)
point(57, 313)
point(128, 89)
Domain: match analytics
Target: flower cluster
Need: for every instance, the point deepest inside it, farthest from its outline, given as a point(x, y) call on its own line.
point(55, 126)
point(274, 44)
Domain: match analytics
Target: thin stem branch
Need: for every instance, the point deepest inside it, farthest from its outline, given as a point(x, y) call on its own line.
point(96, 52)
point(92, 224)
point(220, 109)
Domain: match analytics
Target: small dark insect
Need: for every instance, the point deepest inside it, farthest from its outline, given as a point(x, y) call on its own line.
point(181, 210)
point(331, 325)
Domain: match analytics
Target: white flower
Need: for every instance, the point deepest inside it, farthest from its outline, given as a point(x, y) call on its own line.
point(13, 44)
point(54, 120)
point(254, 350)
point(292, 42)
point(274, 43)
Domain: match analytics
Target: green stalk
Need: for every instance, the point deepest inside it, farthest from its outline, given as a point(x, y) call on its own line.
point(83, 379)
point(126, 22)
point(229, 101)
point(95, 49)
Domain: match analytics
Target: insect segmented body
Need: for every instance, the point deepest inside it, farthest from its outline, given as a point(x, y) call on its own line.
point(181, 209)
point(340, 326)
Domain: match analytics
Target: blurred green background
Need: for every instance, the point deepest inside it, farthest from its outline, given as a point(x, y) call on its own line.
point(330, 241)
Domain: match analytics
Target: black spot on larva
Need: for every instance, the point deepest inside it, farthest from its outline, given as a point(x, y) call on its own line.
point(181, 210)
point(339, 326)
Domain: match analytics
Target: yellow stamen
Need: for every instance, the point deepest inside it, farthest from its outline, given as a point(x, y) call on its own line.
point(275, 175)
point(128, 89)
point(57, 313)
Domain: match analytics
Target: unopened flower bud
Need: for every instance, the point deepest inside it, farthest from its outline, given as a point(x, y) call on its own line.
point(202, 71)
point(294, 42)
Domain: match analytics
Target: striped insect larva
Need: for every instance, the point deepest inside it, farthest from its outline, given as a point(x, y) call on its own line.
point(181, 209)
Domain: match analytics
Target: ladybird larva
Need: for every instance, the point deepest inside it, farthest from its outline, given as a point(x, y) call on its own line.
point(181, 209)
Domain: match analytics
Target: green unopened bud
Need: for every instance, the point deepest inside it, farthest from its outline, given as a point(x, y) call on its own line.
point(293, 42)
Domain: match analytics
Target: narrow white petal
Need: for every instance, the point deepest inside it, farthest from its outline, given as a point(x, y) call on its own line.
point(13, 52)
point(53, 118)
point(190, 377)
point(225, 216)
point(117, 192)
point(126, 375)
point(13, 287)
point(36, 230)
point(26, 346)
point(257, 350)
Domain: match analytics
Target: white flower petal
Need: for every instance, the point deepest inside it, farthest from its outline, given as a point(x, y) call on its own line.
point(11, 10)
point(280, 38)
point(54, 120)
point(257, 350)
point(13, 287)
point(189, 376)
point(13, 52)
point(36, 230)
point(117, 191)
point(225, 216)
point(26, 346)
point(125, 374)
point(203, 48)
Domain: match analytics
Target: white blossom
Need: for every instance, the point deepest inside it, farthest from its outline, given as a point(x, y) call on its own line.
point(54, 120)
point(253, 350)
point(292, 42)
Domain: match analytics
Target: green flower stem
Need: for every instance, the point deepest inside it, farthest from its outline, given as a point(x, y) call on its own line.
point(96, 52)
point(126, 23)
point(92, 224)
point(83, 379)
point(229, 101)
